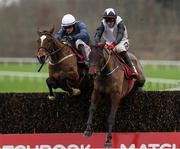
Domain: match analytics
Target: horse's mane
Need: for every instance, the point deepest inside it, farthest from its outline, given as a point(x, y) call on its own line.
point(46, 32)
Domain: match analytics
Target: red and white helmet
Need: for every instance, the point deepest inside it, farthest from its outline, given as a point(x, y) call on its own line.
point(68, 20)
point(110, 13)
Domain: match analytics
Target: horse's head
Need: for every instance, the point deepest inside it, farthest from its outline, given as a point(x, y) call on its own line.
point(98, 58)
point(44, 44)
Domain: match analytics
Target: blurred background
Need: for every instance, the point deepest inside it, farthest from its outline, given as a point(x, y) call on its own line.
point(153, 25)
point(153, 28)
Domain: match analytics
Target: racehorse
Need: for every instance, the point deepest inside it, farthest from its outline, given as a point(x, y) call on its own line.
point(112, 80)
point(64, 71)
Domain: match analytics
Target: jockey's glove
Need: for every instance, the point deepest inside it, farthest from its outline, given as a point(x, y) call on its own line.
point(69, 38)
point(111, 46)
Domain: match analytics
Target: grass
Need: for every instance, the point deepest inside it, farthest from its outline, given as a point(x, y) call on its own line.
point(17, 84)
point(162, 72)
point(30, 84)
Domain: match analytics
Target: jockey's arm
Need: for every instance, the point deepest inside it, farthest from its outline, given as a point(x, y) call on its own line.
point(120, 32)
point(60, 33)
point(99, 32)
point(83, 34)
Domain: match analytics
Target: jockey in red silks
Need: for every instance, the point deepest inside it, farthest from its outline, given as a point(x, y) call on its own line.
point(76, 33)
point(114, 32)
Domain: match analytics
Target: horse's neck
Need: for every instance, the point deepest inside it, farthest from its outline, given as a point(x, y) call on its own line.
point(112, 64)
point(66, 46)
point(57, 51)
point(63, 51)
point(58, 44)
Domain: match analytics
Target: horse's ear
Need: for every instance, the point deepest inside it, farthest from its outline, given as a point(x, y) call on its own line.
point(51, 30)
point(38, 32)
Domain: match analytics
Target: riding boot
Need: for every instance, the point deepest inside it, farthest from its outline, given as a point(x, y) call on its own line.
point(128, 61)
point(82, 50)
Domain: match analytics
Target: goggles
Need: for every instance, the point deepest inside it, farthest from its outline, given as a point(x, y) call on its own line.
point(68, 27)
point(109, 19)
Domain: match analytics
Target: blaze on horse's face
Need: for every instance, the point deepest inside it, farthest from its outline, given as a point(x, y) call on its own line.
point(43, 45)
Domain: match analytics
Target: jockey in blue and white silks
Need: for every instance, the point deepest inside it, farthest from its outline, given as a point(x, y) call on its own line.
point(76, 33)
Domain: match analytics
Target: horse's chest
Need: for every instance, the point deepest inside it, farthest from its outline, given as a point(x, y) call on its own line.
point(105, 85)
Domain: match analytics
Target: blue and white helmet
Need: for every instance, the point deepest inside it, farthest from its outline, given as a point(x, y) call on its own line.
point(68, 20)
point(110, 13)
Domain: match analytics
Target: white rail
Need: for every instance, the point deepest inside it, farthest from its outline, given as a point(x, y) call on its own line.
point(18, 60)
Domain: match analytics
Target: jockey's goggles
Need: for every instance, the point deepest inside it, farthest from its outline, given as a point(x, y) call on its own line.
point(109, 19)
point(68, 27)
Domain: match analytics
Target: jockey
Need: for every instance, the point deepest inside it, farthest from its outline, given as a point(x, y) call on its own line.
point(114, 32)
point(76, 33)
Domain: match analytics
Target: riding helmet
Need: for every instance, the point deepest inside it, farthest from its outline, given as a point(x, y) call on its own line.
point(110, 13)
point(68, 20)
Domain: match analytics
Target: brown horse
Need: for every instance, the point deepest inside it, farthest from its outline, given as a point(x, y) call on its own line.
point(110, 80)
point(63, 64)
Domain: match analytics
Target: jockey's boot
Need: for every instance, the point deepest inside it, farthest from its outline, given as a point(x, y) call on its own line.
point(86, 59)
point(128, 61)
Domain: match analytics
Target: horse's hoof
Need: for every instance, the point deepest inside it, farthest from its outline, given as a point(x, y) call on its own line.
point(87, 133)
point(108, 145)
point(76, 92)
point(51, 97)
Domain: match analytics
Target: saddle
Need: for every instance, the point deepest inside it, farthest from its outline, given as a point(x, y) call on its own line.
point(79, 55)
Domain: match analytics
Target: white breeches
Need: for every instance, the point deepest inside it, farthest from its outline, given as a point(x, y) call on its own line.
point(86, 47)
point(122, 46)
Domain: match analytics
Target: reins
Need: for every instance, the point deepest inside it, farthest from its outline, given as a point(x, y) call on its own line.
point(109, 56)
point(107, 61)
point(61, 60)
point(42, 64)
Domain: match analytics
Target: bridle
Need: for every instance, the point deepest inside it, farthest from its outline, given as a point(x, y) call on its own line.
point(52, 50)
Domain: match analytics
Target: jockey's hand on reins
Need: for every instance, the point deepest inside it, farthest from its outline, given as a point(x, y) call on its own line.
point(109, 51)
point(69, 38)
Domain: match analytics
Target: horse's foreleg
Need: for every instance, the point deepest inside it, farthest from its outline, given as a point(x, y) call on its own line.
point(94, 101)
point(88, 131)
point(115, 98)
point(51, 84)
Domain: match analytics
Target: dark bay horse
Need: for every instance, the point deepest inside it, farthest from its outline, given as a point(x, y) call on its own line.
point(110, 80)
point(63, 68)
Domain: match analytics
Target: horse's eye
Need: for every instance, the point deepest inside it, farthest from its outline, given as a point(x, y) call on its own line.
point(38, 40)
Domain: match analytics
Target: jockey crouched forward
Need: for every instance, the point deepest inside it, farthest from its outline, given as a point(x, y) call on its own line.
point(114, 32)
point(76, 33)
